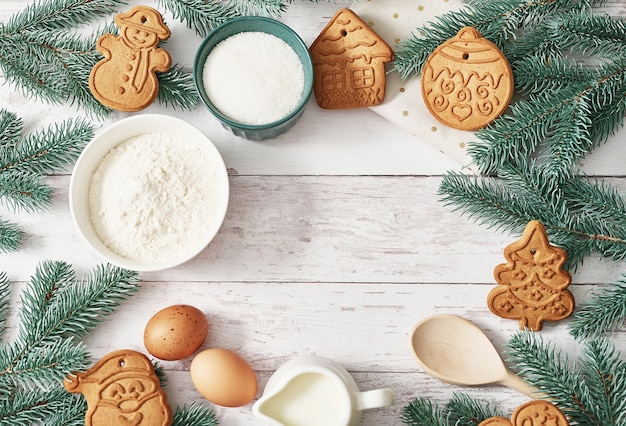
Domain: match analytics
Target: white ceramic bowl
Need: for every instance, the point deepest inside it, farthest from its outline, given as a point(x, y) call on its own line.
point(100, 146)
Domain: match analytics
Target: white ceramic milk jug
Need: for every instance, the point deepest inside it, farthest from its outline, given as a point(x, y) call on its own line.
point(316, 391)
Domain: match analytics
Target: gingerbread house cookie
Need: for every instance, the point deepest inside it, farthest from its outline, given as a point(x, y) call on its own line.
point(349, 63)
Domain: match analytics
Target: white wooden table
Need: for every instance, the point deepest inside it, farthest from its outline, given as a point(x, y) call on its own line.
point(335, 243)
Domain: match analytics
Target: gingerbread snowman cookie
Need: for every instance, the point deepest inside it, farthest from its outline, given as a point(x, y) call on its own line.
point(125, 79)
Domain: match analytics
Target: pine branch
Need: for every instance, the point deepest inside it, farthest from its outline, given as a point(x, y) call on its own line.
point(55, 15)
point(194, 415)
point(10, 128)
point(605, 374)
point(594, 35)
point(176, 88)
point(203, 16)
point(422, 412)
point(549, 370)
point(5, 296)
point(558, 120)
point(44, 364)
point(498, 21)
point(47, 151)
point(57, 308)
point(465, 411)
point(34, 406)
point(603, 314)
point(26, 159)
point(10, 236)
point(461, 410)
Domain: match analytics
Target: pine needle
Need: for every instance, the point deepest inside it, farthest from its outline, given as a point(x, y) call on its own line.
point(194, 415)
point(603, 314)
point(10, 236)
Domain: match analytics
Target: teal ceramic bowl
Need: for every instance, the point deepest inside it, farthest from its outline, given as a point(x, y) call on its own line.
point(254, 24)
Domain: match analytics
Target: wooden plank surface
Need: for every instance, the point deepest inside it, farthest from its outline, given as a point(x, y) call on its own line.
point(335, 243)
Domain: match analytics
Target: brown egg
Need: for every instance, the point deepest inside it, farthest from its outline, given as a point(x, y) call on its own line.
point(223, 377)
point(175, 332)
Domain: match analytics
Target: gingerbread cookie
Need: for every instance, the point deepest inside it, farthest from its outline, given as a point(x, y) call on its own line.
point(533, 413)
point(532, 284)
point(125, 79)
point(349, 63)
point(122, 389)
point(467, 82)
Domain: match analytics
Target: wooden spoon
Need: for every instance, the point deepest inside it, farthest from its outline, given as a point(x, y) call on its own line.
point(454, 350)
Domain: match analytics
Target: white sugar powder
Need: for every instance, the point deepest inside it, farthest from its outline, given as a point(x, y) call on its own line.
point(254, 78)
point(151, 198)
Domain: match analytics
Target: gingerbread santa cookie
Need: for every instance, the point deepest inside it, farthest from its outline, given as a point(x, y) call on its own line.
point(467, 82)
point(125, 79)
point(533, 413)
point(349, 63)
point(532, 282)
point(122, 389)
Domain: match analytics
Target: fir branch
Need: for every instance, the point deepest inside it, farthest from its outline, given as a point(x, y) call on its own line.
point(548, 369)
point(57, 307)
point(200, 15)
point(422, 412)
point(605, 374)
point(43, 365)
point(48, 151)
point(465, 411)
point(558, 120)
point(58, 15)
point(34, 406)
point(595, 35)
point(498, 21)
point(603, 314)
point(10, 236)
point(23, 163)
point(536, 74)
point(177, 88)
point(10, 128)
point(24, 192)
point(5, 296)
point(194, 415)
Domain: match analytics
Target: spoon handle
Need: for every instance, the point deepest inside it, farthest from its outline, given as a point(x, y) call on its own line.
point(514, 381)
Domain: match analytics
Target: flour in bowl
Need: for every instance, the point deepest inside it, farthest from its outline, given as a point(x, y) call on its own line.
point(152, 198)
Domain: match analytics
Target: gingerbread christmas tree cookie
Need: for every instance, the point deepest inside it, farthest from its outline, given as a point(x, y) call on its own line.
point(533, 413)
point(125, 79)
point(467, 82)
point(122, 389)
point(532, 282)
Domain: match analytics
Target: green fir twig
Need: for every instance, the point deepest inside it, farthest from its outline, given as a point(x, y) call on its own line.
point(603, 314)
point(591, 391)
point(56, 310)
point(203, 16)
point(24, 162)
point(460, 410)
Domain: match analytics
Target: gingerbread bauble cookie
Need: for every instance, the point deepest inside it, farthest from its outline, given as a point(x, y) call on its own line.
point(467, 82)
point(533, 413)
point(532, 282)
point(125, 79)
point(122, 389)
